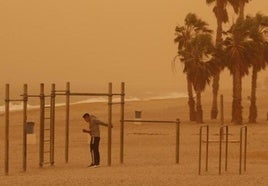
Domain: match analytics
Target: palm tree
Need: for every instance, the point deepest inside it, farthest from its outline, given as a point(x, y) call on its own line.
point(194, 47)
point(259, 24)
point(220, 11)
point(201, 67)
point(239, 51)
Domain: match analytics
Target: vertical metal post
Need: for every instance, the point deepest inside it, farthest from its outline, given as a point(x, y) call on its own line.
point(226, 147)
point(222, 110)
point(177, 155)
point(24, 131)
point(200, 150)
point(220, 145)
point(42, 122)
point(207, 140)
point(122, 113)
point(110, 124)
point(244, 128)
point(67, 122)
point(7, 130)
point(200, 147)
point(245, 148)
point(52, 123)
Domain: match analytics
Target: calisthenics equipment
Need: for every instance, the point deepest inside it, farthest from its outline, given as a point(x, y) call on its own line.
point(223, 130)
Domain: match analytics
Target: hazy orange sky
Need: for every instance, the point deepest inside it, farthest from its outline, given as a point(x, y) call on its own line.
point(92, 42)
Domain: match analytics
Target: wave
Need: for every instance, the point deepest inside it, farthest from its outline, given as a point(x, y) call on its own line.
point(19, 106)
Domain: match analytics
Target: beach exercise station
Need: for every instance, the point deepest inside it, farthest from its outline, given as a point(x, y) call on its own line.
point(47, 122)
point(223, 133)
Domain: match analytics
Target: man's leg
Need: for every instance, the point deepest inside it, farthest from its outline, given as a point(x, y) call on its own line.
point(92, 150)
point(96, 150)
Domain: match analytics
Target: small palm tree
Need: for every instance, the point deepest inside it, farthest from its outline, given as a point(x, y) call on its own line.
point(194, 47)
point(239, 51)
point(259, 25)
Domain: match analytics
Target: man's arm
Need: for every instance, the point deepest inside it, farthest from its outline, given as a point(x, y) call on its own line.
point(101, 123)
point(86, 131)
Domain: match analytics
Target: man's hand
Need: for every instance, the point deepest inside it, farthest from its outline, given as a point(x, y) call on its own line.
point(86, 131)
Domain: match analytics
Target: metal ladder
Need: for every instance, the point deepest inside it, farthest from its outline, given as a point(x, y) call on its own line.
point(47, 128)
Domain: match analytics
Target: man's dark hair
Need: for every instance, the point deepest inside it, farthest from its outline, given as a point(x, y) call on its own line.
point(86, 115)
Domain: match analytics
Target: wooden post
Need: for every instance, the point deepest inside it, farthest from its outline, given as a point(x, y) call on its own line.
point(7, 130)
point(110, 124)
point(222, 111)
point(42, 122)
point(24, 151)
point(67, 122)
point(52, 123)
point(122, 122)
point(177, 141)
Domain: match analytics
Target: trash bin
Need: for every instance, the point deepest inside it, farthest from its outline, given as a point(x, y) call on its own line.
point(30, 127)
point(138, 115)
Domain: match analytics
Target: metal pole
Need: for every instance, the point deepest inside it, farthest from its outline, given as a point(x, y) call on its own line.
point(177, 141)
point(42, 116)
point(222, 111)
point(245, 148)
point(220, 145)
point(200, 150)
point(7, 130)
point(240, 153)
point(207, 148)
point(122, 122)
point(226, 147)
point(52, 123)
point(110, 124)
point(200, 147)
point(67, 122)
point(24, 131)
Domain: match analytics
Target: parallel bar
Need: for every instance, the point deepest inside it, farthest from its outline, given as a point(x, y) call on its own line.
point(7, 130)
point(110, 99)
point(67, 122)
point(226, 147)
point(200, 147)
point(61, 90)
point(122, 118)
point(117, 103)
point(149, 121)
point(24, 132)
point(243, 130)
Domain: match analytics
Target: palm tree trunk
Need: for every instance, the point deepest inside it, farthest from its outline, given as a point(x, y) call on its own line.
point(199, 111)
point(253, 108)
point(215, 89)
point(191, 101)
point(216, 78)
point(237, 97)
point(241, 9)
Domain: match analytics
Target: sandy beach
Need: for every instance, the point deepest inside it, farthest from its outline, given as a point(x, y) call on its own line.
point(149, 157)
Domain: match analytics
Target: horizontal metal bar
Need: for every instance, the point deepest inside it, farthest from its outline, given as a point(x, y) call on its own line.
point(89, 94)
point(217, 141)
point(60, 94)
point(33, 96)
point(14, 100)
point(60, 90)
point(116, 103)
point(148, 121)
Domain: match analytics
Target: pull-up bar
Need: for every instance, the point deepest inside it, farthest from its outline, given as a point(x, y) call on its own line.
point(177, 148)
